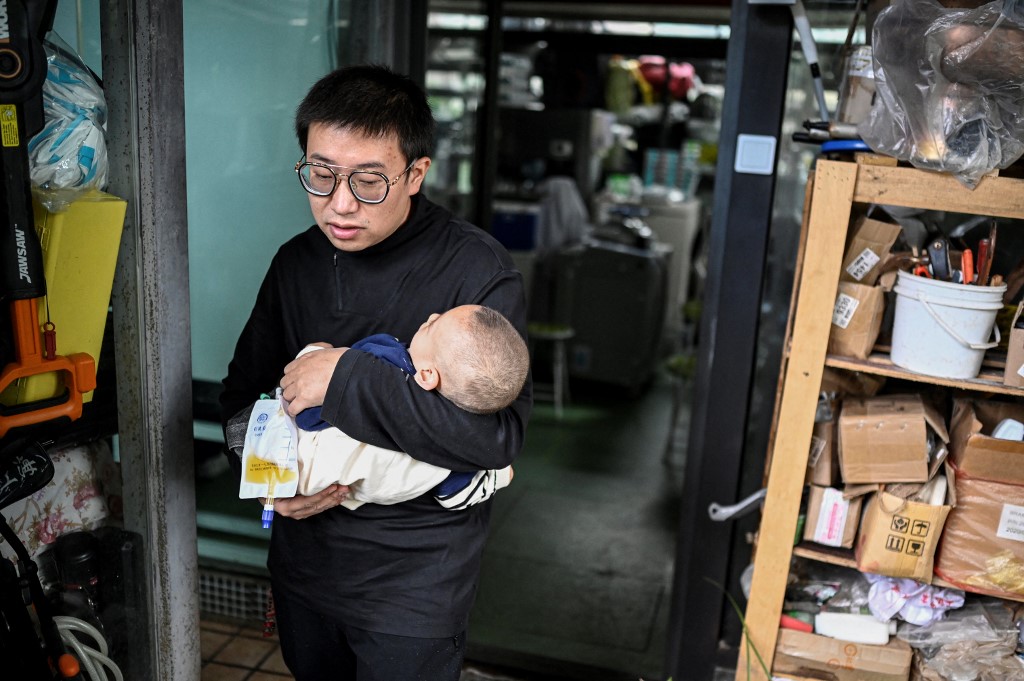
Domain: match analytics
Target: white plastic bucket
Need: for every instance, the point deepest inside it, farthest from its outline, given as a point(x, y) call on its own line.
point(941, 328)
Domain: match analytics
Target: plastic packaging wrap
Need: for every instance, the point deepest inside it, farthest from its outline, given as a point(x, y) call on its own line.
point(69, 155)
point(949, 85)
point(976, 642)
point(981, 547)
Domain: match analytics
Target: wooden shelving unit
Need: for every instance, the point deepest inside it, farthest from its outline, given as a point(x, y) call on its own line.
point(988, 381)
point(834, 189)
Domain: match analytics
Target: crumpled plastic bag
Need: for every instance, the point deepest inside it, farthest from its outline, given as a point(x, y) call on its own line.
point(69, 155)
point(949, 87)
point(976, 642)
point(911, 601)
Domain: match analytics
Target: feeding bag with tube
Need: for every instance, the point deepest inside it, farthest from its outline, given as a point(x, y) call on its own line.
point(69, 155)
point(949, 86)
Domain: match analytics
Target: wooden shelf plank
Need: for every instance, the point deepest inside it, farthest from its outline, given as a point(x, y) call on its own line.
point(988, 381)
point(825, 554)
point(914, 188)
point(830, 207)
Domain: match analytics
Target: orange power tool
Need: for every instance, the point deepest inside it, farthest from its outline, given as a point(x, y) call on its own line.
point(22, 73)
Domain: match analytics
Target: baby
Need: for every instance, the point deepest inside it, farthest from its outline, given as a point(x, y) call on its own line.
point(473, 357)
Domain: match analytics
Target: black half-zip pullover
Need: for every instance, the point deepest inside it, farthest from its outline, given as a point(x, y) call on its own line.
point(408, 569)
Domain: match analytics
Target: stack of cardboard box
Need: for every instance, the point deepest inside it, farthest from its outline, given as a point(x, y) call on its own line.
point(982, 547)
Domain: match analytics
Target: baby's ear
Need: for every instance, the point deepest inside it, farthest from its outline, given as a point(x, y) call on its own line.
point(427, 378)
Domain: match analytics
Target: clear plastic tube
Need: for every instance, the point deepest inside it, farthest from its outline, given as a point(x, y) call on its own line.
point(94, 661)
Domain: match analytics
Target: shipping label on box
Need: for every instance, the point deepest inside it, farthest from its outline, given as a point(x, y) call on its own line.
point(973, 449)
point(982, 546)
point(898, 537)
point(856, 320)
point(870, 242)
point(885, 439)
point(819, 657)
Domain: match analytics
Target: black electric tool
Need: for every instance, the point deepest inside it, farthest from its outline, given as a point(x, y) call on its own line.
point(23, 25)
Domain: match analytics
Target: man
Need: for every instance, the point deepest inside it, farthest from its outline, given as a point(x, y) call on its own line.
point(382, 592)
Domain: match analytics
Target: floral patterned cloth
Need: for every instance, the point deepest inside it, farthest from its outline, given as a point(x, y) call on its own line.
point(84, 494)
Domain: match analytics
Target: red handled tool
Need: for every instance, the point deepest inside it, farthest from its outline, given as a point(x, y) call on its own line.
point(984, 261)
point(967, 265)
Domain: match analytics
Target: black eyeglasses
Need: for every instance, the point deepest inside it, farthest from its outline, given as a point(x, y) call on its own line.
point(368, 186)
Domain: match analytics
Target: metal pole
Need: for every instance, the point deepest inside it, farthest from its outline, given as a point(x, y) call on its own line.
point(758, 57)
point(143, 78)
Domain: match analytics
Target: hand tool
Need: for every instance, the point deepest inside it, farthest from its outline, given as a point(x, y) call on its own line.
point(991, 245)
point(938, 255)
point(984, 261)
point(967, 266)
point(23, 70)
point(903, 260)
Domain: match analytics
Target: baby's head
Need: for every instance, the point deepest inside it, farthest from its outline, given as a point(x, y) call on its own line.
point(473, 356)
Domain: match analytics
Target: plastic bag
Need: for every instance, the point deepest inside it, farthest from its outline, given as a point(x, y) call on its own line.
point(949, 85)
point(269, 455)
point(69, 155)
point(975, 642)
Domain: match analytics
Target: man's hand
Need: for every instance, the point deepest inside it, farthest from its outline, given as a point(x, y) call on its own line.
point(306, 378)
point(300, 507)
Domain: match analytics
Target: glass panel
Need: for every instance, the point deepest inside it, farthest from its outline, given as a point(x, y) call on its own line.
point(620, 431)
point(247, 66)
point(455, 85)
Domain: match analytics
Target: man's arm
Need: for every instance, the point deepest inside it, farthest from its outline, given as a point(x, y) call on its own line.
point(373, 403)
point(306, 378)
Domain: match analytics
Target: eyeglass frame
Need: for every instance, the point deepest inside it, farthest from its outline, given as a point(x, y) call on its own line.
point(388, 183)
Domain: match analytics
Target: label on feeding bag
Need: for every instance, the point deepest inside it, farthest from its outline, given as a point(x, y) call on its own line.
point(862, 264)
point(270, 454)
point(845, 308)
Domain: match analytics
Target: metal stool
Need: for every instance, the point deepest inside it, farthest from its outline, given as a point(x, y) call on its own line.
point(557, 335)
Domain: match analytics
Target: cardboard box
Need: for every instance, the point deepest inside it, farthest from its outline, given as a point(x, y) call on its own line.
point(868, 247)
point(1013, 374)
point(856, 320)
point(850, 384)
point(832, 518)
point(806, 655)
point(823, 459)
point(885, 438)
point(982, 547)
point(899, 537)
point(975, 452)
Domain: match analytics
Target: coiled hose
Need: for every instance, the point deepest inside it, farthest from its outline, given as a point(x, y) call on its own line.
point(94, 661)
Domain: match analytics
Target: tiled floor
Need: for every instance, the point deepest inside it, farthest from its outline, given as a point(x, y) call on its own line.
point(576, 576)
point(233, 652)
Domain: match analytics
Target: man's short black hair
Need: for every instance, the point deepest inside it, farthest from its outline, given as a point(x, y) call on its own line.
point(374, 100)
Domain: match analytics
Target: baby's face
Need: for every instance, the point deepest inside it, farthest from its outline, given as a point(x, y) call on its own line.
point(437, 333)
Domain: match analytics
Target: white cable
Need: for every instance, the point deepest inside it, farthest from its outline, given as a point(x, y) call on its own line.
point(95, 662)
